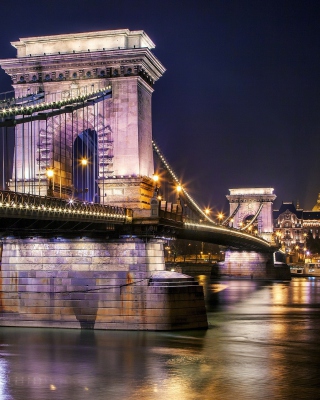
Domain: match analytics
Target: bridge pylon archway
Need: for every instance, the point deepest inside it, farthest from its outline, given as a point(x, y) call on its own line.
point(251, 210)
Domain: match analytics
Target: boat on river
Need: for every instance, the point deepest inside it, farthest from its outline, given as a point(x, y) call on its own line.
point(307, 269)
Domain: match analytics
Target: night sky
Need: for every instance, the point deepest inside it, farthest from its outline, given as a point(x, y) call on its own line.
point(239, 104)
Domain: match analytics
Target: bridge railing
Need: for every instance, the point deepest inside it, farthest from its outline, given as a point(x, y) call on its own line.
point(27, 204)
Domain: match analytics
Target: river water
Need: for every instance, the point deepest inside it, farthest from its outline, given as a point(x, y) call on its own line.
point(263, 342)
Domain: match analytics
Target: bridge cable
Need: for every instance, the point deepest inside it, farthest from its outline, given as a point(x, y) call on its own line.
point(174, 177)
point(39, 176)
point(226, 221)
point(103, 152)
point(254, 218)
point(3, 152)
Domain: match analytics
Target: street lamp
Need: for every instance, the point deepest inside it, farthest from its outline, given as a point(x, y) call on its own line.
point(220, 217)
point(155, 178)
point(50, 174)
point(207, 211)
point(179, 189)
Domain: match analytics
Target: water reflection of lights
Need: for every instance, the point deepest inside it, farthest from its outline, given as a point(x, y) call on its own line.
point(280, 295)
point(4, 380)
point(217, 287)
point(301, 291)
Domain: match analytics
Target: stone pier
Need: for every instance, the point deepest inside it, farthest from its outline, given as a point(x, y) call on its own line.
point(255, 265)
point(92, 284)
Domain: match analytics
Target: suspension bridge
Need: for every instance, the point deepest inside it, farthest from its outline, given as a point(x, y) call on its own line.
point(39, 189)
point(83, 219)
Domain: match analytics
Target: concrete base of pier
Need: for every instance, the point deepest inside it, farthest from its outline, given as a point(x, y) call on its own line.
point(250, 264)
point(91, 284)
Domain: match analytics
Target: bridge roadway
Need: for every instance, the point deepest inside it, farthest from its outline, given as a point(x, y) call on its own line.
point(24, 215)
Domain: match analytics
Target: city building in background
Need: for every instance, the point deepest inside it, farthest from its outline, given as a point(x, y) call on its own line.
point(298, 231)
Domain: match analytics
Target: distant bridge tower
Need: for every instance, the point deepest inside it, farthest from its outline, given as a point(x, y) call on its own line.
point(115, 134)
point(251, 210)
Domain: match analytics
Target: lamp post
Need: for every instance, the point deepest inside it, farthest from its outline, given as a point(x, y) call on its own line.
point(156, 186)
point(84, 163)
point(50, 174)
point(178, 188)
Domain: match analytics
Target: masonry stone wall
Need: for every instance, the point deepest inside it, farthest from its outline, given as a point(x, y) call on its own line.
point(253, 265)
point(96, 285)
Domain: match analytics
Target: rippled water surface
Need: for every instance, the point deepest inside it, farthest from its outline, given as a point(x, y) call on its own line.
point(263, 343)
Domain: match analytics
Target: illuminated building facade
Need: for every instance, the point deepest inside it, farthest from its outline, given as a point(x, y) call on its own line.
point(292, 225)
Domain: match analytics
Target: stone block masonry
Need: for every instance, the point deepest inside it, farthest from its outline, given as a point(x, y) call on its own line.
point(92, 284)
point(251, 264)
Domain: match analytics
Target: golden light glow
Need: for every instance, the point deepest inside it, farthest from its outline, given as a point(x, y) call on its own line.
point(220, 216)
point(84, 162)
point(50, 172)
point(156, 178)
point(207, 211)
point(179, 188)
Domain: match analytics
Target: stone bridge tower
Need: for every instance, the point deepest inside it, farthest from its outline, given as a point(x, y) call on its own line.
point(252, 208)
point(119, 128)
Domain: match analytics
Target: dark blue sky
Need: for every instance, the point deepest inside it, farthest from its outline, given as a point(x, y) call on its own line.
point(239, 104)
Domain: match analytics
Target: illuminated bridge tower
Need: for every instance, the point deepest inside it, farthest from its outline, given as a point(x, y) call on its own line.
point(251, 210)
point(115, 135)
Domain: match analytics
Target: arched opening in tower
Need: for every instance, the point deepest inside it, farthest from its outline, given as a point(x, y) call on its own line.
point(85, 166)
point(247, 220)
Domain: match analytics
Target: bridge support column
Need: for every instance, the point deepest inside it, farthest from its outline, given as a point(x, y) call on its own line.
point(95, 284)
point(251, 264)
